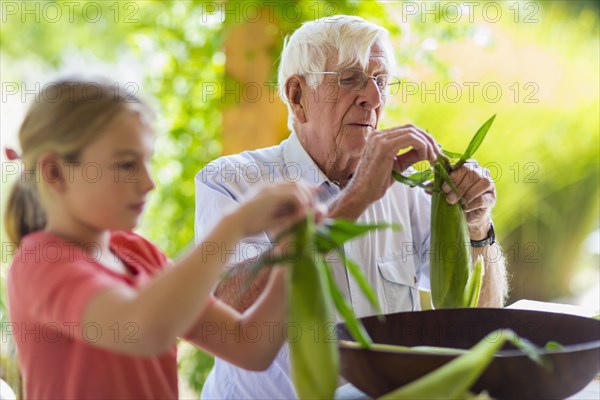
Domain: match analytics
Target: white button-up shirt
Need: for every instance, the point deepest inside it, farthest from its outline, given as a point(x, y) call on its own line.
point(395, 263)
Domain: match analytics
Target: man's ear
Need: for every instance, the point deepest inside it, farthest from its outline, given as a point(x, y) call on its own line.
point(293, 93)
point(51, 171)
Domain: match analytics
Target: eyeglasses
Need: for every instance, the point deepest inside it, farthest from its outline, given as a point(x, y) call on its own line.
point(355, 79)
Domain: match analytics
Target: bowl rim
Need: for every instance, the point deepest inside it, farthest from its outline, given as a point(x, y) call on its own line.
point(343, 344)
point(500, 354)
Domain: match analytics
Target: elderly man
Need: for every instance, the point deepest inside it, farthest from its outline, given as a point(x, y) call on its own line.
point(335, 75)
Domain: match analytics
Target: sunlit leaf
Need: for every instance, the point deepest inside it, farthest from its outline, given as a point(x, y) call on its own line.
point(477, 140)
point(451, 154)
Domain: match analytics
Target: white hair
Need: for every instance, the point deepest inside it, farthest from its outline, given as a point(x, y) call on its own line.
point(347, 38)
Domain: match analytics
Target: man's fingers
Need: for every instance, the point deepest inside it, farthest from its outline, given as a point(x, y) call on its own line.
point(477, 190)
point(422, 143)
point(483, 202)
point(476, 217)
point(471, 182)
point(416, 132)
point(420, 151)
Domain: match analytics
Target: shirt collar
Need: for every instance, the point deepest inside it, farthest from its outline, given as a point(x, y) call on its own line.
point(296, 157)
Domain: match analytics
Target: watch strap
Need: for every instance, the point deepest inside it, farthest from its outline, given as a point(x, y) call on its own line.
point(488, 240)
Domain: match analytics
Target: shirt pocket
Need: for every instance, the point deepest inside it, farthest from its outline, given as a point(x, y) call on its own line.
point(400, 284)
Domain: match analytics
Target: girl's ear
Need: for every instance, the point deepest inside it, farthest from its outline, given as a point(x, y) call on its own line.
point(294, 94)
point(51, 171)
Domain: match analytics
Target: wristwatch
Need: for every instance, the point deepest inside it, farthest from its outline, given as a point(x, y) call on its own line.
point(489, 239)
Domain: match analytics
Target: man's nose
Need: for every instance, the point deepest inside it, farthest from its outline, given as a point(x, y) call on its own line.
point(370, 96)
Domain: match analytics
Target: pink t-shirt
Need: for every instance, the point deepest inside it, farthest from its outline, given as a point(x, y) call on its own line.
point(50, 283)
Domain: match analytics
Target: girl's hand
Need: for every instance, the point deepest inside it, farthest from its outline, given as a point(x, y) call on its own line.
point(275, 207)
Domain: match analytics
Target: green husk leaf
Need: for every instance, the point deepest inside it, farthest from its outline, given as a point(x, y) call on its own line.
point(451, 154)
point(324, 242)
point(339, 231)
point(364, 285)
point(406, 349)
point(422, 176)
point(474, 282)
point(533, 352)
point(266, 259)
point(552, 345)
point(453, 380)
point(476, 141)
point(446, 178)
point(408, 181)
point(356, 328)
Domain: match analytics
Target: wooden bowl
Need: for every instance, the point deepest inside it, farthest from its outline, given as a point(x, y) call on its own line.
point(511, 375)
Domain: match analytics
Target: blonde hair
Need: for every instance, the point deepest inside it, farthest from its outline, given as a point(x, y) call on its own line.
point(347, 38)
point(65, 117)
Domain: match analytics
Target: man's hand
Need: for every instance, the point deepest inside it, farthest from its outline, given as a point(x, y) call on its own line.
point(373, 174)
point(477, 196)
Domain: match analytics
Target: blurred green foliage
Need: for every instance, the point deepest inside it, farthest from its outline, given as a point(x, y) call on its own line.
point(541, 78)
point(542, 151)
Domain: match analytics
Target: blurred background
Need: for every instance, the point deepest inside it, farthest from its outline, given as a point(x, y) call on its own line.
point(209, 70)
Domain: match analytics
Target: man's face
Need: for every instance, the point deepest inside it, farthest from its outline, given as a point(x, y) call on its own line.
point(339, 120)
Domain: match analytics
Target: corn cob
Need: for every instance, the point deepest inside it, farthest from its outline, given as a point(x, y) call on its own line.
point(312, 293)
point(455, 281)
point(314, 355)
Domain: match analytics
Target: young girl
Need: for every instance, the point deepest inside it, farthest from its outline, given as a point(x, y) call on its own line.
point(96, 309)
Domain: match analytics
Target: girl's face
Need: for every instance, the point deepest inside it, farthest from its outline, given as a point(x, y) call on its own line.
point(107, 189)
